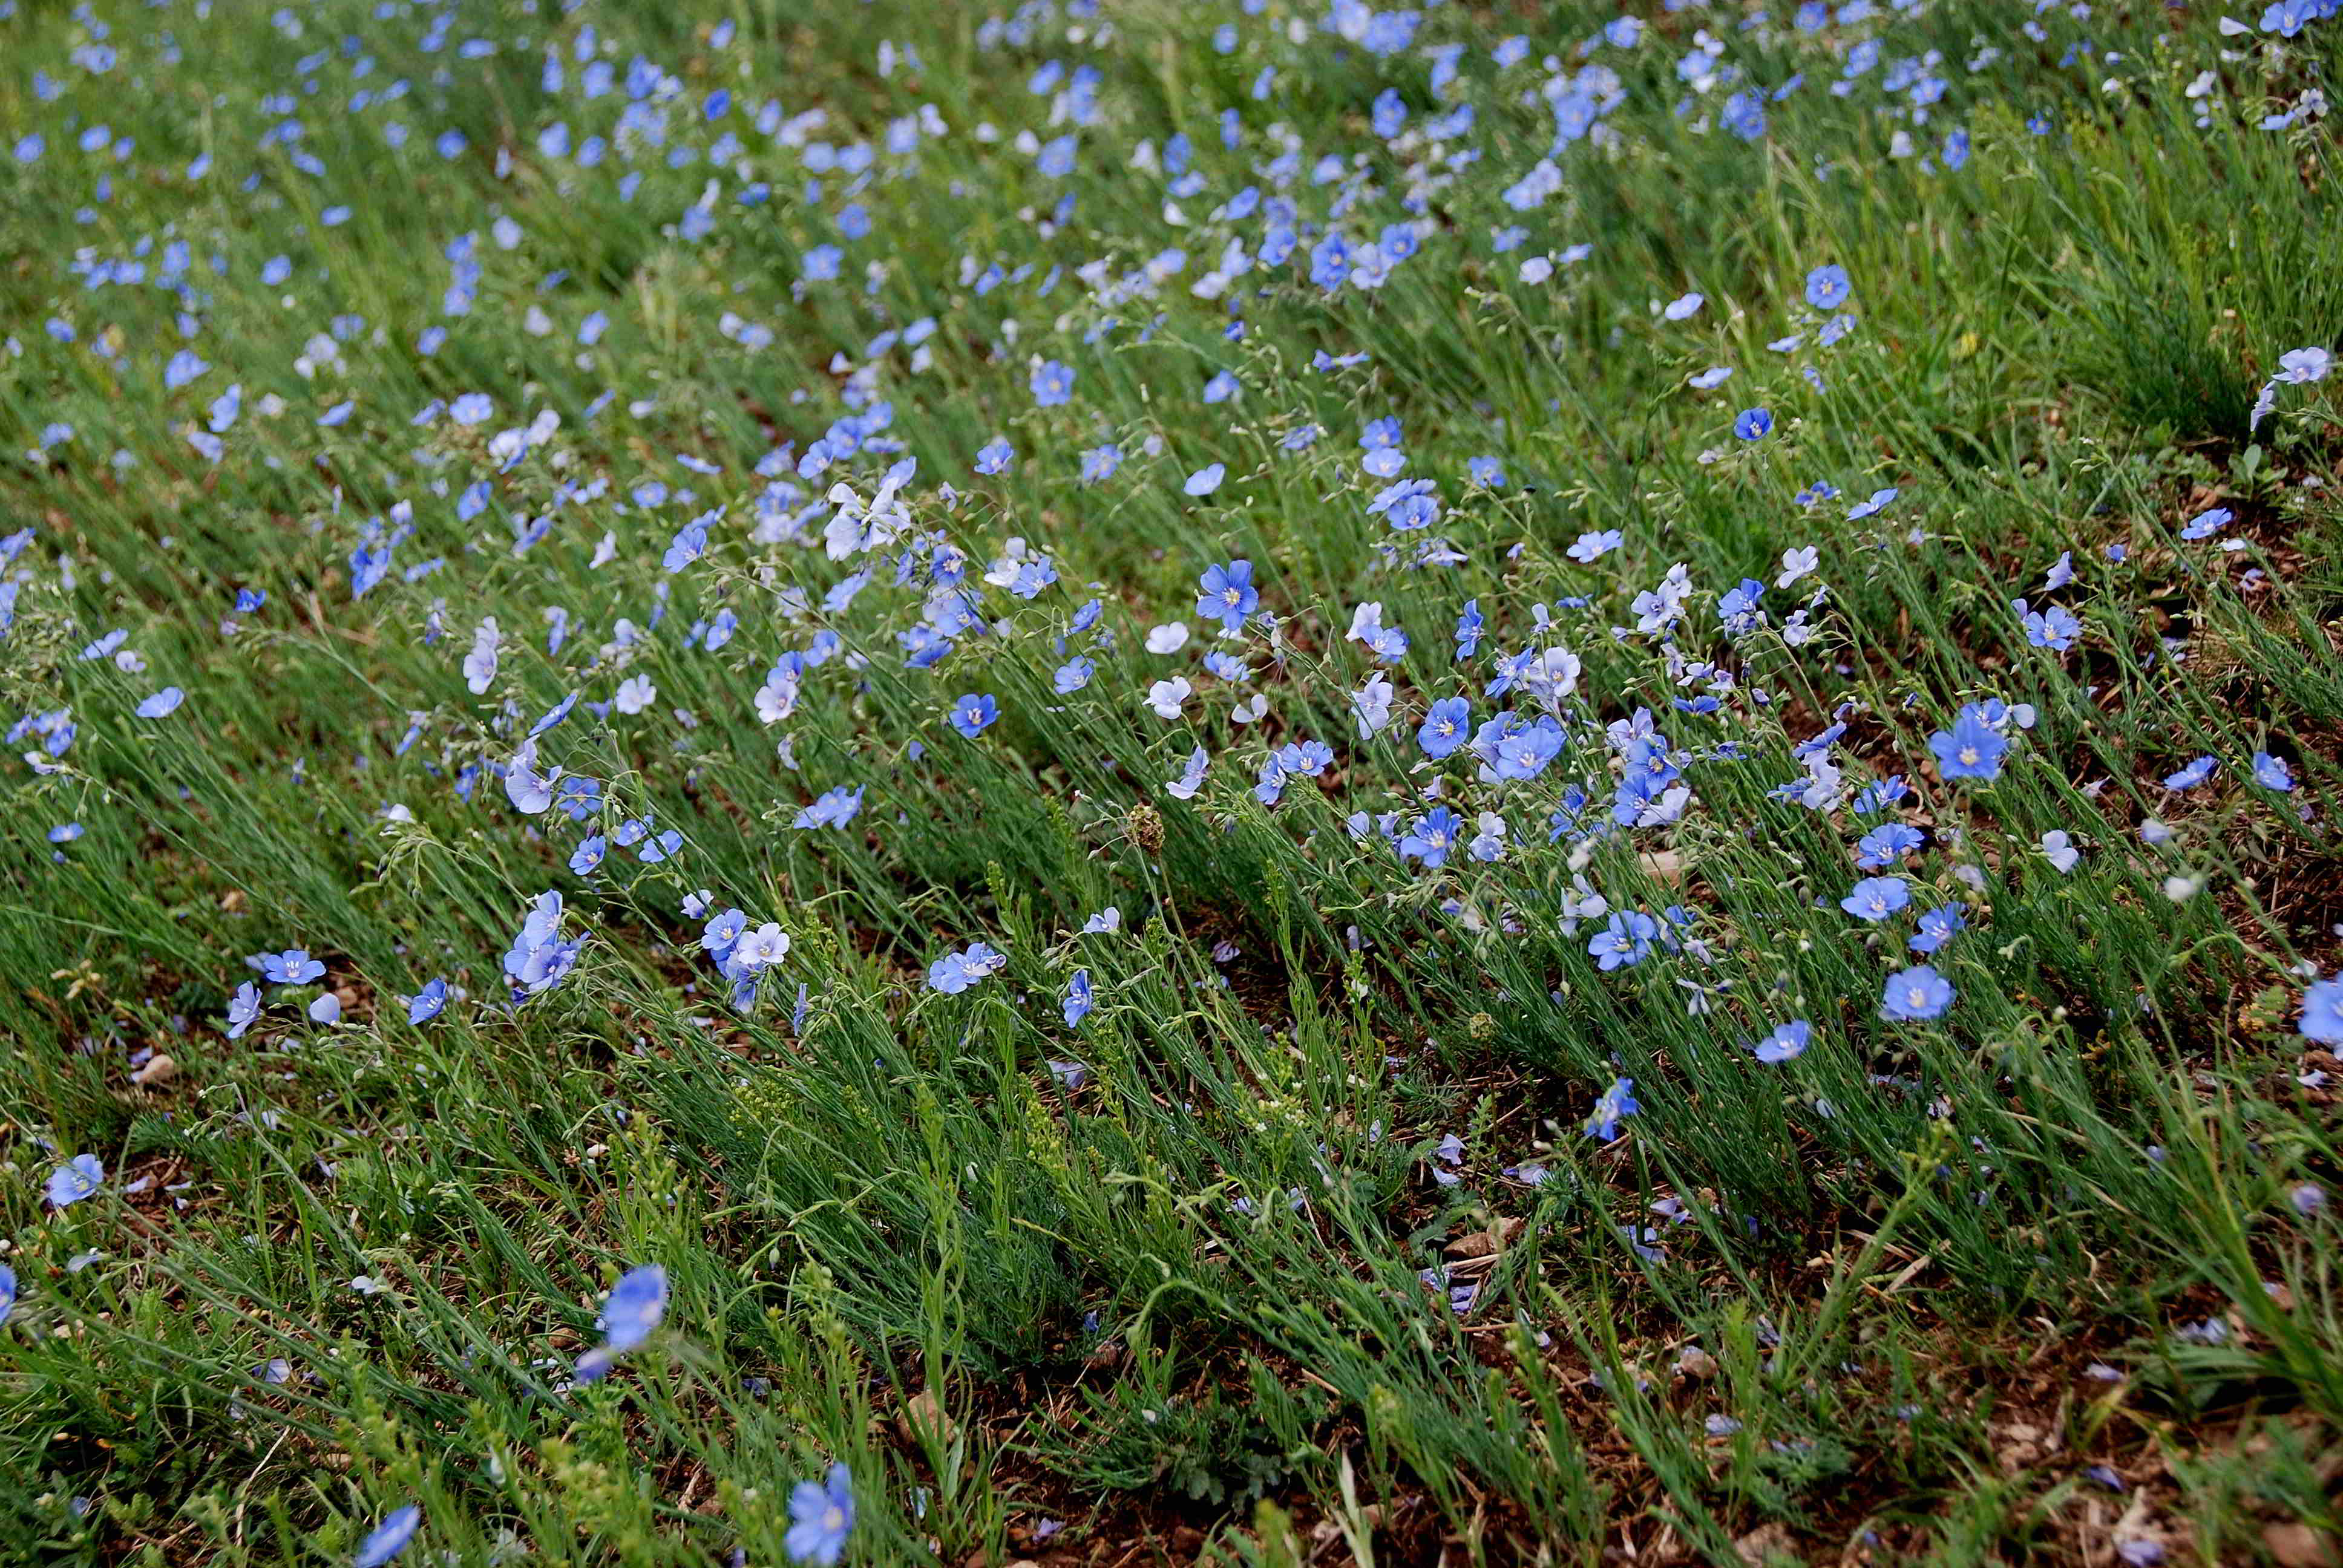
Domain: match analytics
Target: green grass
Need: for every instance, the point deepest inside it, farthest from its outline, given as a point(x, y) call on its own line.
point(1199, 1279)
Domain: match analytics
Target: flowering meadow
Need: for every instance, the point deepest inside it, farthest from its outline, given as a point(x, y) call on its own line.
point(1260, 781)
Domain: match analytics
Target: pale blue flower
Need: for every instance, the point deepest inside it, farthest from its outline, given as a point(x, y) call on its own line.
point(75, 1180)
point(1787, 1041)
point(821, 1515)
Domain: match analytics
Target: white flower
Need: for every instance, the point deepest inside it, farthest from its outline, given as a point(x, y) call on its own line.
point(764, 947)
point(2059, 849)
point(635, 694)
point(1552, 676)
point(2300, 365)
point(1166, 697)
point(777, 698)
point(1796, 564)
point(1168, 637)
point(1190, 779)
point(530, 792)
point(480, 664)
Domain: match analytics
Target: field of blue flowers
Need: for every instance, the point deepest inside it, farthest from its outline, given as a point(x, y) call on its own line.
point(1254, 781)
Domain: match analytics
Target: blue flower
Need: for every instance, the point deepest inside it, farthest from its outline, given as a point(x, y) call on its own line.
point(2322, 1011)
point(389, 1538)
point(1827, 287)
point(1876, 898)
point(1971, 748)
point(1444, 729)
point(1469, 628)
point(994, 457)
point(1752, 424)
point(1744, 115)
point(974, 713)
point(955, 972)
point(1624, 942)
point(1432, 837)
point(1513, 746)
point(75, 1180)
point(1916, 995)
point(242, 1009)
point(1052, 384)
point(2191, 776)
point(821, 1514)
point(162, 703)
point(1099, 463)
point(1737, 608)
point(1614, 1102)
point(7, 1292)
point(1206, 479)
point(1879, 795)
point(629, 1314)
point(1227, 595)
point(1884, 845)
point(2053, 627)
point(834, 808)
point(2272, 773)
point(722, 934)
point(539, 959)
point(1329, 263)
point(1408, 505)
point(1787, 1041)
point(1078, 1000)
point(294, 966)
point(428, 1003)
point(1937, 927)
point(1877, 503)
